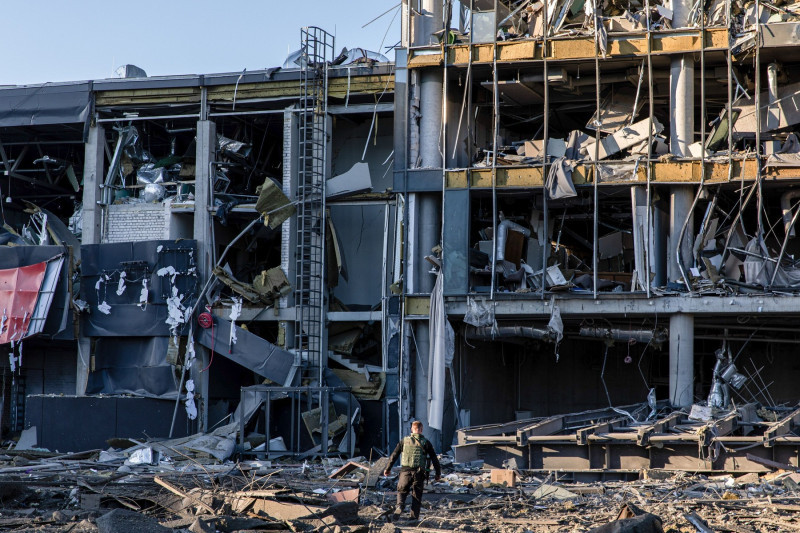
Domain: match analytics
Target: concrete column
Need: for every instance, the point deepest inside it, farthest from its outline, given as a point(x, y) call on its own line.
point(93, 176)
point(405, 40)
point(661, 235)
point(773, 113)
point(427, 206)
point(682, 104)
point(681, 94)
point(430, 121)
point(204, 175)
point(681, 198)
point(681, 360)
point(91, 224)
point(426, 236)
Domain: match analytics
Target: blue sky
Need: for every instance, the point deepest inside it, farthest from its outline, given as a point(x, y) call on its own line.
point(59, 40)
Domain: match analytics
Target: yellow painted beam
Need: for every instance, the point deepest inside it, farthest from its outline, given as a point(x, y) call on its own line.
point(418, 60)
point(578, 48)
point(417, 306)
point(176, 95)
point(662, 172)
point(337, 88)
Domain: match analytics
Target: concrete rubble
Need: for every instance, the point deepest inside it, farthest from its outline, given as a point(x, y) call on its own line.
point(562, 236)
point(194, 492)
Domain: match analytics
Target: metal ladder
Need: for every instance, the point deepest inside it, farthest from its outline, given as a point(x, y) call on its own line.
point(316, 55)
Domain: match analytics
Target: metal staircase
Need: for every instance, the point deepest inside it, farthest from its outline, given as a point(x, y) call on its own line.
point(310, 301)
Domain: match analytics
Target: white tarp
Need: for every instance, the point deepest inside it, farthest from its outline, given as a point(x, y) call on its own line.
point(442, 348)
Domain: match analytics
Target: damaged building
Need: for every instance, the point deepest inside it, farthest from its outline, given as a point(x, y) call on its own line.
point(186, 252)
point(559, 233)
point(608, 193)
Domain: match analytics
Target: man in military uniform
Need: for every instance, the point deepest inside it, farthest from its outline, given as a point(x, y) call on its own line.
point(414, 452)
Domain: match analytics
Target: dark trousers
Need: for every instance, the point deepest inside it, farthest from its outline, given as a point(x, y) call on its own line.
point(411, 480)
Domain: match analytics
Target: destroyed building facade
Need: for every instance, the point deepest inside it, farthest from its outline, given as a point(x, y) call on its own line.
point(612, 189)
point(538, 208)
point(210, 221)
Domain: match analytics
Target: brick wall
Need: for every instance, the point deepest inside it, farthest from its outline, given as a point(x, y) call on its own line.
point(288, 227)
point(137, 222)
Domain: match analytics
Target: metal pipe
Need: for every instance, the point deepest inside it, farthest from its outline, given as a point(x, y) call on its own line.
point(502, 235)
point(736, 219)
point(760, 197)
point(503, 332)
point(495, 133)
point(749, 339)
point(545, 239)
point(682, 242)
point(786, 209)
point(789, 233)
point(657, 336)
point(595, 168)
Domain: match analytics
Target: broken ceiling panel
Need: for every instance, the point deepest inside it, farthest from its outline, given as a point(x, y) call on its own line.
point(616, 111)
point(515, 92)
point(354, 181)
point(783, 112)
point(622, 139)
point(273, 204)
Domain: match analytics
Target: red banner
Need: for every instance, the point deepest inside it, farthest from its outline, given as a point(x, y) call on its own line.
point(19, 290)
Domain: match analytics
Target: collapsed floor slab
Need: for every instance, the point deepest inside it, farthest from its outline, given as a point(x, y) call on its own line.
point(620, 442)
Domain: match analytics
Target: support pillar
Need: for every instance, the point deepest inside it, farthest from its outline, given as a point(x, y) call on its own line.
point(681, 198)
point(661, 236)
point(681, 360)
point(682, 104)
point(93, 175)
point(91, 225)
point(206, 150)
point(773, 113)
point(425, 207)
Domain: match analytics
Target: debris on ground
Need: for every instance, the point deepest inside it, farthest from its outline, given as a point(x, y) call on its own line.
point(88, 492)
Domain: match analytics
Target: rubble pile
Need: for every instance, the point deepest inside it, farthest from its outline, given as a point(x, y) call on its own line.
point(177, 486)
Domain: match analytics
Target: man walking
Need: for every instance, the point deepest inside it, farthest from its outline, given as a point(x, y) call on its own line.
point(414, 451)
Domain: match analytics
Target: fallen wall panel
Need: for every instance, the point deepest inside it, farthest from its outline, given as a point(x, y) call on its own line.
point(249, 350)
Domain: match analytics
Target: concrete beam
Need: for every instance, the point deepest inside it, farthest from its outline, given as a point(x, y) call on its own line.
point(91, 225)
point(270, 314)
point(630, 306)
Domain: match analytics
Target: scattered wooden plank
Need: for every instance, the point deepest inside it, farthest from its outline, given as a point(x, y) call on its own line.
point(178, 492)
point(771, 464)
